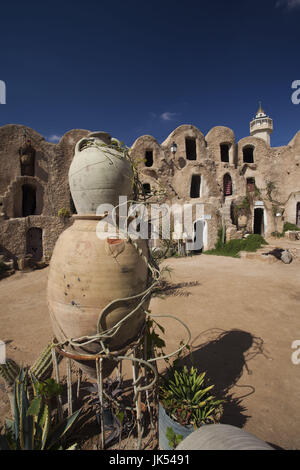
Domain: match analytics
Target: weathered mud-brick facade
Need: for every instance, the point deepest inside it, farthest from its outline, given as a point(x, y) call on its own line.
point(33, 189)
point(244, 186)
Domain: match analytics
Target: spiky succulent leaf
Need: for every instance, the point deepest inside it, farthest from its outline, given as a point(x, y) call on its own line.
point(35, 406)
point(62, 429)
point(186, 397)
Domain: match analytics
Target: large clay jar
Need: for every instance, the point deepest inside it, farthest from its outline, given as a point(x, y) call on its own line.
point(87, 272)
point(98, 174)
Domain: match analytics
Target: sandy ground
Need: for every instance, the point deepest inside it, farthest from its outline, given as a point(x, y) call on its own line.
point(243, 316)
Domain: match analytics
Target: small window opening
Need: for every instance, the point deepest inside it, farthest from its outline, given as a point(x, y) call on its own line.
point(146, 188)
point(248, 155)
point(250, 185)
point(224, 153)
point(195, 186)
point(149, 158)
point(190, 147)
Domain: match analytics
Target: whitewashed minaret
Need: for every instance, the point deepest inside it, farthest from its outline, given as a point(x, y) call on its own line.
point(262, 125)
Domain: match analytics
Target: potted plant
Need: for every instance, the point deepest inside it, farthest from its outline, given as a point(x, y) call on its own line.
point(185, 404)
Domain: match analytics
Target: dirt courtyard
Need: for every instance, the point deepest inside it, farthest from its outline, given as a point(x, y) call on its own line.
point(243, 316)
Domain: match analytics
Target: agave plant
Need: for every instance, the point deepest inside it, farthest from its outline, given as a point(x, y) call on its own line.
point(186, 397)
point(33, 426)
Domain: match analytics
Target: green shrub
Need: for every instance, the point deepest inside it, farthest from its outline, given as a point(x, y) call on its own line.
point(288, 226)
point(252, 243)
point(277, 234)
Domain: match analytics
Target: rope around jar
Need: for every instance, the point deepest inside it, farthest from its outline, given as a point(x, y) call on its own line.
point(101, 336)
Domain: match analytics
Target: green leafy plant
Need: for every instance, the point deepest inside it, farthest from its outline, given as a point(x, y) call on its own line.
point(270, 188)
point(186, 397)
point(173, 438)
point(34, 425)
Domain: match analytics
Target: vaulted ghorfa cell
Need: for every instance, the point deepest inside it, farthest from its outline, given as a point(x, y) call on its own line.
point(27, 159)
point(190, 147)
point(227, 185)
point(224, 151)
point(195, 186)
point(248, 154)
point(34, 243)
point(28, 200)
point(149, 158)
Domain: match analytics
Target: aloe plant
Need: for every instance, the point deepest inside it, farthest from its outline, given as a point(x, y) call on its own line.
point(33, 426)
point(186, 397)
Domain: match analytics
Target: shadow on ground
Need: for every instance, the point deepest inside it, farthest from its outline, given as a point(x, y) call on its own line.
point(176, 289)
point(224, 355)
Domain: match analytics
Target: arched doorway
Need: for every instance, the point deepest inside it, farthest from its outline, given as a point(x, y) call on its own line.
point(198, 236)
point(258, 225)
point(227, 185)
point(28, 200)
point(298, 214)
point(34, 243)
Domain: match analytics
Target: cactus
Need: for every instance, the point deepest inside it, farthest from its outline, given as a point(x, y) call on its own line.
point(41, 368)
point(9, 372)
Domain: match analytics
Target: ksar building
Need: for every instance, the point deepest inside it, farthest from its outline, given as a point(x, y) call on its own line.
point(245, 186)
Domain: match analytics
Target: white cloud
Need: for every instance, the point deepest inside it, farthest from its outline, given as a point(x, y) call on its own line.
point(54, 138)
point(167, 116)
point(290, 4)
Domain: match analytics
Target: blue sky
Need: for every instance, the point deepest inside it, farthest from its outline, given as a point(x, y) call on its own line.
point(145, 67)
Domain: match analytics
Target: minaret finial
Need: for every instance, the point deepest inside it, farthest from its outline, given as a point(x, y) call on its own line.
point(260, 110)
